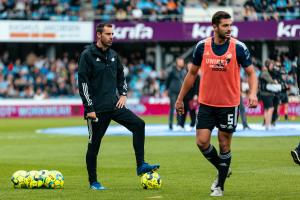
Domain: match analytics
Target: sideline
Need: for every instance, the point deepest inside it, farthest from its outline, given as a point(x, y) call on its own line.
point(257, 130)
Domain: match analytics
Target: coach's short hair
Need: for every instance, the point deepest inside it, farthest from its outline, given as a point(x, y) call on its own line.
point(218, 16)
point(100, 26)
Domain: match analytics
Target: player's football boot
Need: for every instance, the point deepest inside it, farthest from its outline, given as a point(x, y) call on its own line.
point(217, 192)
point(145, 167)
point(97, 186)
point(215, 183)
point(295, 156)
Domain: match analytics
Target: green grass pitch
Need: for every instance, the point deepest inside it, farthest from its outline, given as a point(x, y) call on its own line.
point(262, 167)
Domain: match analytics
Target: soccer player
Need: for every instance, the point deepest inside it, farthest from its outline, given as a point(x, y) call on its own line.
point(100, 76)
point(296, 152)
point(219, 59)
point(173, 84)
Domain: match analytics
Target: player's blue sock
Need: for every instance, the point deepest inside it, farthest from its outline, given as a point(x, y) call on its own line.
point(211, 155)
point(225, 160)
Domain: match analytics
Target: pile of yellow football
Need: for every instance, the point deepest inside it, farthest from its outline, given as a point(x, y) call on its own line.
point(38, 179)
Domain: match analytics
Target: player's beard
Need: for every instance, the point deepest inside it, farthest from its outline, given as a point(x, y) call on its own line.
point(222, 35)
point(106, 44)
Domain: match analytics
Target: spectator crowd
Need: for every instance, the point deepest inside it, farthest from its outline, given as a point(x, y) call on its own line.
point(78, 10)
point(271, 10)
point(39, 77)
point(142, 10)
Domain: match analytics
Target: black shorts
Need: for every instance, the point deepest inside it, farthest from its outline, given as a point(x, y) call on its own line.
point(284, 98)
point(267, 101)
point(224, 118)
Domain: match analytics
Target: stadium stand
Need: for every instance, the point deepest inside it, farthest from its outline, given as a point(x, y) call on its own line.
point(142, 10)
point(271, 10)
point(37, 76)
point(75, 10)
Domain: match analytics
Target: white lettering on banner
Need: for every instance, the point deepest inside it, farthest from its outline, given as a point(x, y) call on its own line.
point(44, 111)
point(204, 31)
point(294, 109)
point(7, 111)
point(139, 31)
point(288, 30)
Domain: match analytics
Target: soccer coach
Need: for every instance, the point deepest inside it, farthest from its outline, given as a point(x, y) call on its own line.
point(103, 91)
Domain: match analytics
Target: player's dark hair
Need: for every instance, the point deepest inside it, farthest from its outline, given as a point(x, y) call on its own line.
point(218, 16)
point(100, 26)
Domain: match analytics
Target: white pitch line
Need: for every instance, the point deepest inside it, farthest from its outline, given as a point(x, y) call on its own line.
point(257, 130)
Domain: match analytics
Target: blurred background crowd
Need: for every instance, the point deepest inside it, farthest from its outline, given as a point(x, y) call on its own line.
point(39, 77)
point(146, 10)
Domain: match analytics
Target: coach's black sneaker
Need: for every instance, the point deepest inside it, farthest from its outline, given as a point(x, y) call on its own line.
point(97, 186)
point(295, 155)
point(145, 167)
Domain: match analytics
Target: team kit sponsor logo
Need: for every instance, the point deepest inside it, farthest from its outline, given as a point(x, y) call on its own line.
point(216, 64)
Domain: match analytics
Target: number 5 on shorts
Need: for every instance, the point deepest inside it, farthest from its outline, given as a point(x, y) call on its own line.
point(230, 119)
